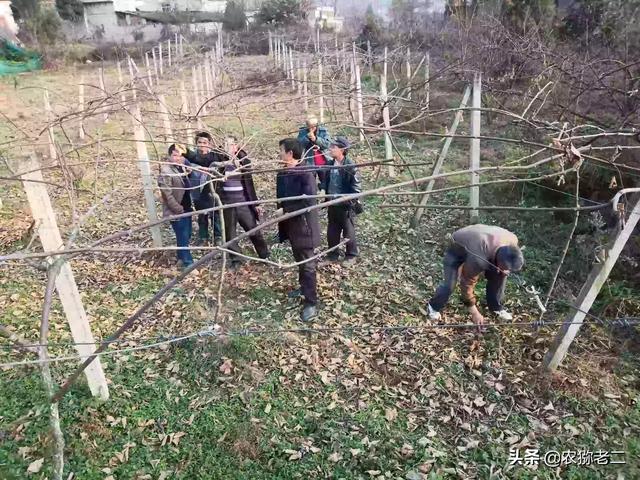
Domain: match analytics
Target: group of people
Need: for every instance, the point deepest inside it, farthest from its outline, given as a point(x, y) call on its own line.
point(195, 180)
point(199, 179)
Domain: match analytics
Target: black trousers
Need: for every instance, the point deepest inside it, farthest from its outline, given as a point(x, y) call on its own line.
point(454, 258)
point(341, 222)
point(306, 274)
point(205, 218)
point(247, 220)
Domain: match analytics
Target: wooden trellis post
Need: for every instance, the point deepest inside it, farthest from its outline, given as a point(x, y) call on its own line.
point(133, 79)
point(359, 99)
point(175, 46)
point(196, 98)
point(181, 47)
point(145, 173)
point(408, 73)
point(123, 96)
point(160, 59)
point(305, 87)
point(320, 91)
point(298, 76)
point(166, 122)
point(146, 61)
point(103, 93)
point(589, 293)
point(169, 52)
point(293, 74)
point(53, 153)
point(369, 56)
point(270, 45)
point(415, 220)
point(81, 107)
point(185, 110)
point(474, 191)
point(51, 240)
point(388, 147)
point(427, 81)
point(155, 63)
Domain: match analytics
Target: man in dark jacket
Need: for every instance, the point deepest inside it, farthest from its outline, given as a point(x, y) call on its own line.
point(315, 141)
point(238, 187)
point(476, 250)
point(302, 231)
point(205, 156)
point(342, 178)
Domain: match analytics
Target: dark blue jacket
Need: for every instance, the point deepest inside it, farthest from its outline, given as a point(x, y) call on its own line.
point(349, 177)
point(302, 231)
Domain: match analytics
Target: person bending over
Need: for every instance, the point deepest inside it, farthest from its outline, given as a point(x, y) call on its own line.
point(476, 250)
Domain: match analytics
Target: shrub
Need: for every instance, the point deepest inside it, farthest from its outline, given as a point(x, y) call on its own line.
point(282, 12)
point(235, 17)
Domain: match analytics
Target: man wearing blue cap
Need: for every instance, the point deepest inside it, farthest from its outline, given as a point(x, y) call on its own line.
point(342, 178)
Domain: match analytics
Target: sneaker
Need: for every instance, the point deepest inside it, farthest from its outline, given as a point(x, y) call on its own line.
point(503, 315)
point(348, 261)
point(433, 314)
point(309, 312)
point(295, 293)
point(328, 261)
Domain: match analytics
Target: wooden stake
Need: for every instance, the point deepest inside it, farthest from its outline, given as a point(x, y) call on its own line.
point(181, 47)
point(369, 56)
point(51, 240)
point(415, 220)
point(298, 76)
point(160, 59)
point(53, 154)
point(81, 106)
point(305, 87)
point(104, 92)
point(270, 45)
point(169, 52)
point(474, 192)
point(359, 101)
point(427, 81)
point(145, 172)
point(175, 46)
point(202, 89)
point(293, 76)
point(388, 147)
point(132, 78)
point(185, 110)
point(155, 64)
point(589, 292)
point(149, 76)
point(196, 98)
point(123, 96)
point(166, 122)
point(320, 93)
point(408, 73)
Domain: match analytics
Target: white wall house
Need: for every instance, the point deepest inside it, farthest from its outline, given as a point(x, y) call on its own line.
point(8, 26)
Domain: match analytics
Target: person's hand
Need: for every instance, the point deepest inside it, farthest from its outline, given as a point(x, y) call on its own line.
point(279, 212)
point(311, 136)
point(477, 318)
point(259, 211)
